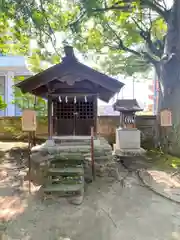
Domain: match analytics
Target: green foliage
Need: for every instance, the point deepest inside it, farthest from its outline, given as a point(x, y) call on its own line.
point(132, 32)
point(128, 35)
point(163, 161)
point(28, 101)
point(115, 64)
point(29, 28)
point(3, 105)
point(32, 27)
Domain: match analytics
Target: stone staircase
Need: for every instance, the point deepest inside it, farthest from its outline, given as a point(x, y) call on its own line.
point(60, 168)
point(65, 177)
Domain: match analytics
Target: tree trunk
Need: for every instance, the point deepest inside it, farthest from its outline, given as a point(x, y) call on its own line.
point(170, 77)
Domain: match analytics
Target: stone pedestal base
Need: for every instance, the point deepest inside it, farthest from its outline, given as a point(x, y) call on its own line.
point(128, 142)
point(129, 152)
point(127, 138)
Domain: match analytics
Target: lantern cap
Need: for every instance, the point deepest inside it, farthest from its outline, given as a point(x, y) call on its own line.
point(127, 105)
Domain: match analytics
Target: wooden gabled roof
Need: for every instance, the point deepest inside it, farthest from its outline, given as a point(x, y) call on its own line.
point(70, 72)
point(126, 105)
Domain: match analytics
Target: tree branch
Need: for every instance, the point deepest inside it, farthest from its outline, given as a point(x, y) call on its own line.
point(155, 7)
point(51, 31)
point(117, 8)
point(146, 35)
point(121, 44)
point(150, 59)
point(165, 4)
point(129, 5)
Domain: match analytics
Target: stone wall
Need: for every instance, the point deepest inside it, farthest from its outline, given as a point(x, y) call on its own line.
point(149, 130)
point(10, 128)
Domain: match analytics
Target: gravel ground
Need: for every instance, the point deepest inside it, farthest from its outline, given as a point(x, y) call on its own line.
point(109, 211)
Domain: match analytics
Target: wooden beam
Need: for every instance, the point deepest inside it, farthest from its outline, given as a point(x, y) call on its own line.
point(73, 94)
point(63, 87)
point(84, 84)
point(44, 77)
point(50, 118)
point(40, 90)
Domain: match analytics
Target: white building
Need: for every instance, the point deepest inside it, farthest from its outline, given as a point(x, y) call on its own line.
point(10, 67)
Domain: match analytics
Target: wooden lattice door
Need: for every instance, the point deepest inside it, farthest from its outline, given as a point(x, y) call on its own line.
point(74, 117)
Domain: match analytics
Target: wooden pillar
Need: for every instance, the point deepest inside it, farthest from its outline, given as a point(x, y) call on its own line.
point(50, 119)
point(95, 114)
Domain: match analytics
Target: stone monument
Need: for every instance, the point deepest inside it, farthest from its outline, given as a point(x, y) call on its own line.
point(128, 137)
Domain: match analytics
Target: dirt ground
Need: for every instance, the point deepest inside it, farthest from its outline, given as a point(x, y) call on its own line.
point(110, 211)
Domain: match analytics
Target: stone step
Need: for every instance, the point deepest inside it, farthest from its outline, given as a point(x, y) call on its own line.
point(67, 171)
point(67, 156)
point(72, 148)
point(61, 161)
point(67, 181)
point(64, 189)
point(70, 142)
point(72, 138)
point(75, 149)
point(100, 159)
point(76, 143)
point(66, 164)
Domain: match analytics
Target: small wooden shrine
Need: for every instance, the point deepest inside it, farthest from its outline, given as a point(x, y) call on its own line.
point(71, 89)
point(127, 109)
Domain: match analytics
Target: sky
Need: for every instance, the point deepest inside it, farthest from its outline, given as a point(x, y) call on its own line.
point(141, 92)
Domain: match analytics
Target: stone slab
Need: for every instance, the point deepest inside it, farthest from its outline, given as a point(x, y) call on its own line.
point(67, 170)
point(129, 152)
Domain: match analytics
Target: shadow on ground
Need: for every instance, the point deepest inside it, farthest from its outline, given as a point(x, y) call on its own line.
point(110, 211)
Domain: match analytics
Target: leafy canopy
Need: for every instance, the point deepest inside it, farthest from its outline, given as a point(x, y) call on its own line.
point(123, 36)
point(129, 36)
point(128, 33)
point(29, 28)
point(2, 104)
